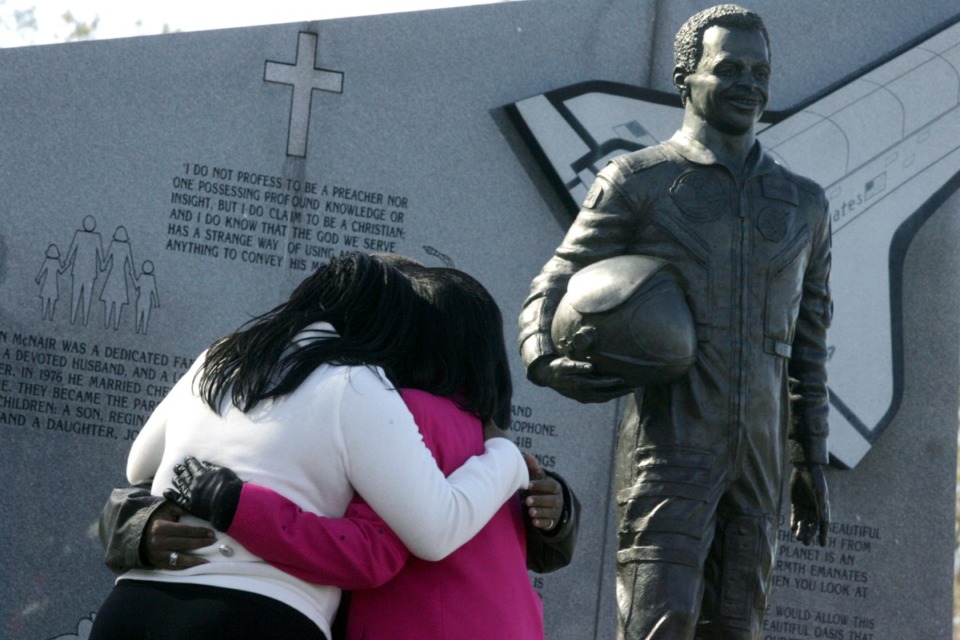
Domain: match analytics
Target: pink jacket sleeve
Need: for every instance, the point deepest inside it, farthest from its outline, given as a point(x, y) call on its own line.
point(357, 551)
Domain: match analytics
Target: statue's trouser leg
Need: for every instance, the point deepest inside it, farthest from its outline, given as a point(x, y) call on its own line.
point(657, 601)
point(667, 519)
point(723, 599)
point(737, 578)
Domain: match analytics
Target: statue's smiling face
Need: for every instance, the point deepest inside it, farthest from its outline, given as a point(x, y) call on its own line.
point(730, 87)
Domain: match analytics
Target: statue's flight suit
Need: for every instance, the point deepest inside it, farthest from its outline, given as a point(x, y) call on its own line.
point(700, 462)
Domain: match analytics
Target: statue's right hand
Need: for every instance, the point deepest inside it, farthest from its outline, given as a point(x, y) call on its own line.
point(577, 380)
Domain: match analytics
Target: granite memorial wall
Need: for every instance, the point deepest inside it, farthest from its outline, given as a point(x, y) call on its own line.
point(158, 191)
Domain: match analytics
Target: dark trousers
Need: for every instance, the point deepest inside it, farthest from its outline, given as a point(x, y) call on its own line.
point(146, 610)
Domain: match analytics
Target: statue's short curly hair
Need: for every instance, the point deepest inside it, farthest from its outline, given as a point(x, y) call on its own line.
point(688, 45)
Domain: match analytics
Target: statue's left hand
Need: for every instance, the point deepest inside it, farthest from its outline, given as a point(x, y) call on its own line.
point(810, 504)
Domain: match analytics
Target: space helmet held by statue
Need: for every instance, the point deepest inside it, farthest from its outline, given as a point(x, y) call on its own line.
point(629, 317)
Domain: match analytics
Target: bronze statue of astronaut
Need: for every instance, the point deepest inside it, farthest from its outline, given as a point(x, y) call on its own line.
point(700, 460)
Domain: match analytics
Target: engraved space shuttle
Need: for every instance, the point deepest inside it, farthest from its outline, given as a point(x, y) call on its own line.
point(886, 148)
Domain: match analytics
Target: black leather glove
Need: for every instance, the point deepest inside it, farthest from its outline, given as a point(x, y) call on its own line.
point(206, 491)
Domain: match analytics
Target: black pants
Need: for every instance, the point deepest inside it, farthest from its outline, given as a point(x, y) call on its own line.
point(145, 610)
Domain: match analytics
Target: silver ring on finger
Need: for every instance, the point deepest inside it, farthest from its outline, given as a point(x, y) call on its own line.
point(173, 558)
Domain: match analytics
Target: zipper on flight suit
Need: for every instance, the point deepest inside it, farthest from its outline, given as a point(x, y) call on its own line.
point(741, 284)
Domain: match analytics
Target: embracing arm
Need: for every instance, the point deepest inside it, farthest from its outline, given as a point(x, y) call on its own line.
point(357, 551)
point(389, 465)
point(138, 529)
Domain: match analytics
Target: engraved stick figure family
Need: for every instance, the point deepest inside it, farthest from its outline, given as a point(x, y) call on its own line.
point(107, 275)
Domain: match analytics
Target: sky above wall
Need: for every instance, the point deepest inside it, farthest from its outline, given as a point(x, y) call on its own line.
point(124, 19)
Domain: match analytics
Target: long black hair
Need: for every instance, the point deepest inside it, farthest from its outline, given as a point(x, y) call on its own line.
point(370, 304)
point(461, 354)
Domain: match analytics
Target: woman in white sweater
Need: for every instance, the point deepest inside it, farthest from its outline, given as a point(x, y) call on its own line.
point(300, 400)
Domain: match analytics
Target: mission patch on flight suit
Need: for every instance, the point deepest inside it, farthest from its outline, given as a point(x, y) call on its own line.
point(703, 195)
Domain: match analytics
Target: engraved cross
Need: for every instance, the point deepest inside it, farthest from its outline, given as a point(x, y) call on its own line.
point(305, 78)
